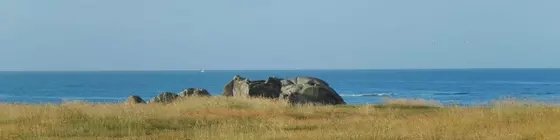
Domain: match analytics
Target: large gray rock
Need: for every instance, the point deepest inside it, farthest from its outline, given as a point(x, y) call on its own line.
point(194, 92)
point(302, 90)
point(164, 97)
point(243, 87)
point(134, 99)
point(228, 88)
point(299, 90)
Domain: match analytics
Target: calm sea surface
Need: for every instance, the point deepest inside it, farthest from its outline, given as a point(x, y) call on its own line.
point(468, 86)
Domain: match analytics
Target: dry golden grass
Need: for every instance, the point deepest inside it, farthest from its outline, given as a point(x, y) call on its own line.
point(233, 118)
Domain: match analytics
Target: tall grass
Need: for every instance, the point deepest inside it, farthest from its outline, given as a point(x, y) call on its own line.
point(234, 118)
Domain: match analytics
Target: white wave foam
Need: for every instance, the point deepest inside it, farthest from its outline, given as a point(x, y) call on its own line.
point(91, 98)
point(66, 98)
point(523, 82)
point(368, 94)
point(451, 93)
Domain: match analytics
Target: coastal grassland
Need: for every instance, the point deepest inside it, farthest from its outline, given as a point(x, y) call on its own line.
point(201, 118)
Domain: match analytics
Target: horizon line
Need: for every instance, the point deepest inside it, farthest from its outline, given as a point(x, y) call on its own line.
point(318, 69)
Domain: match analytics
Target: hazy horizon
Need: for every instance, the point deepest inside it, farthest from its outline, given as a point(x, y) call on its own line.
point(138, 35)
point(340, 69)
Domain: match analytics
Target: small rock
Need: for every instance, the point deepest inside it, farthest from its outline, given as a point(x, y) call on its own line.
point(194, 92)
point(134, 99)
point(164, 97)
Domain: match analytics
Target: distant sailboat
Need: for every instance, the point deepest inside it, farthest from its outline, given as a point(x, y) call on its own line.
point(202, 70)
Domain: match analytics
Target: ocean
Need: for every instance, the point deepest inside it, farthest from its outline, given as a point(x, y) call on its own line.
point(448, 86)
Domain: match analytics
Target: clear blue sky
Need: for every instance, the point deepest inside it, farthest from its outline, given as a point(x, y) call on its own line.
point(278, 34)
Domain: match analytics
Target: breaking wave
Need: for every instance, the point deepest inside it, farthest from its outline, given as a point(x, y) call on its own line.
point(451, 93)
point(523, 82)
point(368, 94)
point(65, 98)
point(537, 93)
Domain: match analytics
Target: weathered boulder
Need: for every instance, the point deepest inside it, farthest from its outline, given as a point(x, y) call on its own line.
point(243, 87)
point(301, 90)
point(228, 88)
point(194, 92)
point(134, 99)
point(164, 97)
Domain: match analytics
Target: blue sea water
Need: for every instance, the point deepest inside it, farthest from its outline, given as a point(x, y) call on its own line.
point(457, 86)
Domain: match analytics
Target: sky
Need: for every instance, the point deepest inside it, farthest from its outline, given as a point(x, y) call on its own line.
point(277, 34)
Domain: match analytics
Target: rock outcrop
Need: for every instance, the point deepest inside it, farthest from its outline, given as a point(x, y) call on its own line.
point(134, 99)
point(243, 87)
point(194, 92)
point(302, 90)
point(299, 90)
point(228, 88)
point(164, 97)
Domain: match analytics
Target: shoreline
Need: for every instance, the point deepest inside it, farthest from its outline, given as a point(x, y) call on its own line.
point(381, 101)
